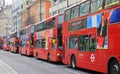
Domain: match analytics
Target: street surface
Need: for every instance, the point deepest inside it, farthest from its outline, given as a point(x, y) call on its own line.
point(28, 65)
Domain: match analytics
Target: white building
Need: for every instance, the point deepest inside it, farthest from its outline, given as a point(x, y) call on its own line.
point(7, 18)
point(16, 14)
point(58, 6)
point(72, 2)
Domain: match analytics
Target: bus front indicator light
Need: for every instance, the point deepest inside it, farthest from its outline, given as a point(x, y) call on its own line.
point(58, 54)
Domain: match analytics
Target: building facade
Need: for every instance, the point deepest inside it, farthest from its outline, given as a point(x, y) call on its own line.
point(34, 11)
point(16, 14)
point(5, 18)
point(72, 2)
point(58, 6)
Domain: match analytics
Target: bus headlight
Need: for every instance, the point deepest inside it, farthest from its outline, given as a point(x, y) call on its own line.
point(58, 54)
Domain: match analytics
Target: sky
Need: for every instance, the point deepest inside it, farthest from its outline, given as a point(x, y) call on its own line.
point(8, 1)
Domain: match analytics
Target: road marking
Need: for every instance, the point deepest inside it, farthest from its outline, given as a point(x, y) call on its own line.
point(48, 64)
point(72, 71)
point(12, 70)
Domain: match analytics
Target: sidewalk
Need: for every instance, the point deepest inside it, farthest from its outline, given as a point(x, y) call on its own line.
point(6, 69)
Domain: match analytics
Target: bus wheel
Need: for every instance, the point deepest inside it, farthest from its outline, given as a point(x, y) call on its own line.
point(73, 62)
point(48, 58)
point(36, 56)
point(114, 67)
point(26, 52)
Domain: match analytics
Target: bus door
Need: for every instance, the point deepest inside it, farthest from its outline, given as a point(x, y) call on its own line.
point(86, 49)
point(71, 48)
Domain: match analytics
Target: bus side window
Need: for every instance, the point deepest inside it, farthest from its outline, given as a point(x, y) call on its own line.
point(92, 42)
point(53, 43)
point(84, 8)
point(73, 42)
point(84, 43)
point(67, 15)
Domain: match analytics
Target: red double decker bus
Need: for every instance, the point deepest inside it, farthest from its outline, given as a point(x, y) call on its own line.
point(6, 43)
point(48, 39)
point(91, 36)
point(2, 42)
point(14, 42)
point(27, 40)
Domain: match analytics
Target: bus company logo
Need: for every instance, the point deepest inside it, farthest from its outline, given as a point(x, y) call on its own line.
point(92, 57)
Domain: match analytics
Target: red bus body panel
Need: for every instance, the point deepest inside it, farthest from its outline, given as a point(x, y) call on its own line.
point(97, 60)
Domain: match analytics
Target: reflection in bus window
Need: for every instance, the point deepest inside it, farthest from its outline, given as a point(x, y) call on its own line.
point(84, 8)
point(110, 3)
point(73, 42)
point(92, 43)
point(96, 5)
point(83, 43)
point(67, 15)
point(74, 12)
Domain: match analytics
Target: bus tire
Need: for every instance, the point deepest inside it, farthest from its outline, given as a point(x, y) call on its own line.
point(113, 67)
point(48, 58)
point(36, 55)
point(73, 62)
point(26, 52)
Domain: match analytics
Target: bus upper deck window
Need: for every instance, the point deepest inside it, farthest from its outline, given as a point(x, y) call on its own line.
point(84, 8)
point(67, 15)
point(96, 5)
point(74, 12)
point(110, 3)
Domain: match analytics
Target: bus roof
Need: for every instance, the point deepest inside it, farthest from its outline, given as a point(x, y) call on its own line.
point(47, 19)
point(26, 26)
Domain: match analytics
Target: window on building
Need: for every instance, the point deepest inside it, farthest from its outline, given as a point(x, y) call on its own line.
point(84, 8)
point(54, 12)
point(60, 10)
point(62, 0)
point(74, 12)
point(96, 5)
